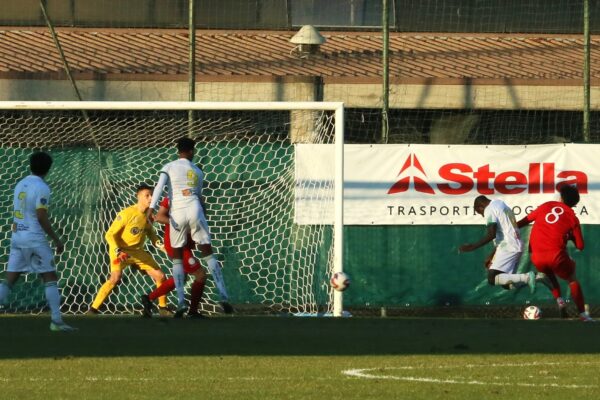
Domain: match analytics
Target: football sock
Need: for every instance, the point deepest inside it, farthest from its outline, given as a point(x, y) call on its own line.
point(577, 296)
point(53, 299)
point(215, 271)
point(197, 291)
point(102, 294)
point(179, 278)
point(4, 292)
point(556, 293)
point(163, 289)
point(516, 279)
point(162, 300)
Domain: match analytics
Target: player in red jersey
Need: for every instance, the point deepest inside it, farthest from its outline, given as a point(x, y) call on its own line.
point(190, 266)
point(555, 224)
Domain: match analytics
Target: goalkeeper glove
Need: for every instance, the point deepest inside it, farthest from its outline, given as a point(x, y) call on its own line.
point(160, 245)
point(121, 256)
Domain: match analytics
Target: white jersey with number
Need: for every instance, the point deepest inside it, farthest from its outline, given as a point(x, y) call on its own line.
point(184, 183)
point(31, 194)
point(508, 237)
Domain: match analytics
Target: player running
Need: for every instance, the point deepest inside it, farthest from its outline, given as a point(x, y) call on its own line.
point(555, 224)
point(29, 247)
point(184, 182)
point(502, 229)
point(190, 266)
point(125, 238)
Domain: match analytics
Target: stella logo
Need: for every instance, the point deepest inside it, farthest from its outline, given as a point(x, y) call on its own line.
point(458, 178)
point(419, 184)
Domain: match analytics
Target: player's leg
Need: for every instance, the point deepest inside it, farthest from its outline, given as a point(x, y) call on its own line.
point(165, 288)
point(105, 289)
point(201, 235)
point(17, 264)
point(545, 263)
point(556, 293)
point(197, 291)
point(193, 267)
point(564, 268)
point(145, 262)
point(501, 271)
point(53, 299)
point(42, 263)
point(178, 232)
point(577, 296)
point(7, 285)
point(214, 266)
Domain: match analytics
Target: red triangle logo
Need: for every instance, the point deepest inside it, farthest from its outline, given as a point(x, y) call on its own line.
point(403, 184)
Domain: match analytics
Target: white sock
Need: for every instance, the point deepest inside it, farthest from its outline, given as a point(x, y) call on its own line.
point(4, 292)
point(179, 278)
point(516, 279)
point(53, 299)
point(215, 271)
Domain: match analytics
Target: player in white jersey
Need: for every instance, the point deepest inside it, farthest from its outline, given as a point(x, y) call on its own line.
point(508, 246)
point(184, 182)
point(30, 251)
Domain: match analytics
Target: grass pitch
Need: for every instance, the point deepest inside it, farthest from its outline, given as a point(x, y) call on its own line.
point(299, 358)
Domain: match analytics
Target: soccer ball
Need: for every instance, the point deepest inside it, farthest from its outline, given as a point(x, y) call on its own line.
point(532, 312)
point(340, 281)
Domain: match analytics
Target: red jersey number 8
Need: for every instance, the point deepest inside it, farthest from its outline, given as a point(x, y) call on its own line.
point(553, 216)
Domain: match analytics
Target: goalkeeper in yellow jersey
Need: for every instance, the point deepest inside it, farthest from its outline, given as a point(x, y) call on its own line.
point(125, 238)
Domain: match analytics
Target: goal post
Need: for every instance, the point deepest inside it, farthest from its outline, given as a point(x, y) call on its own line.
point(248, 153)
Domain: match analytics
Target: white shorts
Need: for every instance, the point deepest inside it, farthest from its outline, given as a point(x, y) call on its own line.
point(190, 221)
point(35, 260)
point(506, 261)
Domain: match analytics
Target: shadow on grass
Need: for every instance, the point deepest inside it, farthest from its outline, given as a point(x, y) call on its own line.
point(29, 337)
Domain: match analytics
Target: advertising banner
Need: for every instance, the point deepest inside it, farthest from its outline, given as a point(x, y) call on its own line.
point(436, 184)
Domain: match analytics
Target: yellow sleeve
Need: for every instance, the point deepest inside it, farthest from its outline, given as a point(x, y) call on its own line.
point(152, 234)
point(113, 234)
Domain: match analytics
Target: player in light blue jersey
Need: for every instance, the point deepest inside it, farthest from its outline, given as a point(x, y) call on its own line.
point(184, 180)
point(30, 251)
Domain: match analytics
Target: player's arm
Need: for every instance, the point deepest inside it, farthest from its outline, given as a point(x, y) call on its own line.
point(113, 238)
point(44, 220)
point(151, 233)
point(577, 237)
point(529, 218)
point(489, 236)
point(162, 216)
point(42, 200)
point(523, 222)
point(158, 189)
point(113, 234)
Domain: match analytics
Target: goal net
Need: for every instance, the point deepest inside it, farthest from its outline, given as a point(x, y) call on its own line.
point(102, 151)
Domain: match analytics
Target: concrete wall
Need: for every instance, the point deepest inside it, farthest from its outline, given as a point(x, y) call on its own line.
point(411, 96)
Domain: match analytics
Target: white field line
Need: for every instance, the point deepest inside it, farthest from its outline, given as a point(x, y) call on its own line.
point(154, 379)
point(366, 373)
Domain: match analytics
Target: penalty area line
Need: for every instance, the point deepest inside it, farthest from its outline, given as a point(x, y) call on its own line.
point(365, 373)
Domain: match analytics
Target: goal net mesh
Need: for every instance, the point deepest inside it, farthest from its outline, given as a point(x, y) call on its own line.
point(270, 262)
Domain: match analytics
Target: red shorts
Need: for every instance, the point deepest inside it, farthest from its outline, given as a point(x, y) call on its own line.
point(190, 263)
point(558, 263)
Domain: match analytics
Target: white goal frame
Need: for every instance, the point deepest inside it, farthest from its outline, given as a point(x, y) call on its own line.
point(337, 107)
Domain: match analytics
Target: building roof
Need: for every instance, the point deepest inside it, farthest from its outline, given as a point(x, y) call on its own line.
point(143, 54)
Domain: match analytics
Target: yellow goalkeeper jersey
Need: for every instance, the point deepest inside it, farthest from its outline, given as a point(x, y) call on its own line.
point(129, 230)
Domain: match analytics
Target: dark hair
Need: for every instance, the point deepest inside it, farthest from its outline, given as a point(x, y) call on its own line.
point(569, 195)
point(185, 144)
point(480, 200)
point(143, 186)
point(40, 163)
